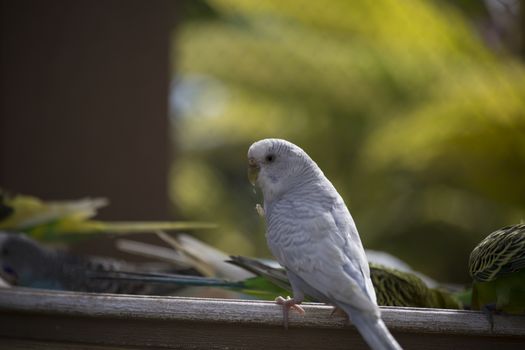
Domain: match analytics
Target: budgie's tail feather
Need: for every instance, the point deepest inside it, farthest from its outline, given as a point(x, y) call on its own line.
point(374, 331)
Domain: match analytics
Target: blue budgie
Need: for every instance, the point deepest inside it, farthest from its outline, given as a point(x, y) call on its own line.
point(312, 234)
point(27, 263)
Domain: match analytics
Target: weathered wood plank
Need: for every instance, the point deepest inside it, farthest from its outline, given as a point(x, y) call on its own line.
point(25, 344)
point(117, 321)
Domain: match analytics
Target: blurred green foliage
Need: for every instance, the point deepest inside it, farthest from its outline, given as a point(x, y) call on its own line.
point(419, 125)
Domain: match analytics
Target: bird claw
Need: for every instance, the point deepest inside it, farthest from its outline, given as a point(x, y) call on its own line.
point(288, 304)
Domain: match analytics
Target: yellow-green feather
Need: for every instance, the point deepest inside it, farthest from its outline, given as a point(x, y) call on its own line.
point(62, 220)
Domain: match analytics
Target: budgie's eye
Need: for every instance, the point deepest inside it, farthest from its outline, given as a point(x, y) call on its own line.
point(270, 158)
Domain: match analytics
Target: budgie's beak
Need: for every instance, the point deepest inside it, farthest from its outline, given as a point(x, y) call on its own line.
point(253, 170)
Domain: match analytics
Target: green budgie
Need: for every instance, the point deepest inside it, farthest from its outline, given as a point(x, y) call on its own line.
point(52, 220)
point(497, 266)
point(398, 288)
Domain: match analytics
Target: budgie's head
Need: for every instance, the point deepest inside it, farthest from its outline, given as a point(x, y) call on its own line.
point(19, 257)
point(277, 166)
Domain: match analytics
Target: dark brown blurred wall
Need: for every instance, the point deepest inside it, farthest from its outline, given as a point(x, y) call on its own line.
point(84, 89)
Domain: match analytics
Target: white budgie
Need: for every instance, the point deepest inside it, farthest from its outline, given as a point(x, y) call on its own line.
point(312, 234)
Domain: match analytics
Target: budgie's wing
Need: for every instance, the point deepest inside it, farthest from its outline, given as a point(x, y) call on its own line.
point(399, 288)
point(313, 250)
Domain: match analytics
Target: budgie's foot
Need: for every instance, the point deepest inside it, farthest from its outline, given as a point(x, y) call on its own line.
point(490, 310)
point(288, 303)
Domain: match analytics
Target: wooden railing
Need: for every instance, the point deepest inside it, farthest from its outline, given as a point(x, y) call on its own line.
point(39, 319)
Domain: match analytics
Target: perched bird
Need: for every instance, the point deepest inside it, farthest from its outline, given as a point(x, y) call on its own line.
point(25, 262)
point(497, 266)
point(312, 234)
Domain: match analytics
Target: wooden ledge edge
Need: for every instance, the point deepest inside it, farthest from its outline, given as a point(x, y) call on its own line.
point(263, 313)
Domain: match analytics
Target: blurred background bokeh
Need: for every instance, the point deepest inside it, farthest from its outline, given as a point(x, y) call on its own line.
point(414, 109)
